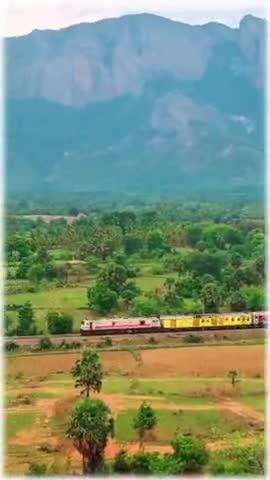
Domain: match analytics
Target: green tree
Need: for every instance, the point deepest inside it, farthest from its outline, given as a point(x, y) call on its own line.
point(36, 273)
point(172, 295)
point(43, 256)
point(210, 296)
point(59, 323)
point(92, 264)
point(133, 243)
point(24, 267)
point(156, 241)
point(131, 291)
point(255, 298)
point(235, 260)
point(237, 302)
point(87, 372)
point(144, 421)
point(114, 276)
point(201, 263)
point(187, 285)
point(90, 426)
point(193, 234)
point(145, 307)
point(101, 298)
point(26, 324)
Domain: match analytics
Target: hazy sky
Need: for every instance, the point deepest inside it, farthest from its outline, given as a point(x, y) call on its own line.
point(22, 16)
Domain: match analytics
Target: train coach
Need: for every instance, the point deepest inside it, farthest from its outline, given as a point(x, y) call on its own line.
point(172, 323)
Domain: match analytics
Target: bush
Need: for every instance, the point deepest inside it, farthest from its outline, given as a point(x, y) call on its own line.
point(193, 338)
point(64, 345)
point(11, 347)
point(37, 468)
point(190, 454)
point(157, 270)
point(240, 460)
point(44, 343)
point(152, 341)
point(105, 342)
point(140, 463)
point(122, 462)
point(59, 323)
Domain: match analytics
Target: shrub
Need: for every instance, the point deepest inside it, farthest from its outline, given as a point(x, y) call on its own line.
point(44, 343)
point(122, 462)
point(59, 323)
point(11, 347)
point(193, 338)
point(240, 460)
point(37, 468)
point(152, 341)
point(157, 270)
point(64, 345)
point(190, 453)
point(141, 463)
point(105, 342)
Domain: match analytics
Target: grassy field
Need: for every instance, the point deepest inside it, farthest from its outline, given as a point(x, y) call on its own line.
point(17, 421)
point(208, 424)
point(73, 300)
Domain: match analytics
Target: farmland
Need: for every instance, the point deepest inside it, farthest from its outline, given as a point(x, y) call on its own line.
point(187, 387)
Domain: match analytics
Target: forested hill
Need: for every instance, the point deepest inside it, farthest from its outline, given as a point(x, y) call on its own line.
point(139, 105)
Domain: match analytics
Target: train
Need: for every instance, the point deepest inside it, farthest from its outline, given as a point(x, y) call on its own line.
point(174, 323)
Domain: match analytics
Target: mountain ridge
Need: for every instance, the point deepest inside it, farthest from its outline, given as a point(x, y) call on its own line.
point(152, 93)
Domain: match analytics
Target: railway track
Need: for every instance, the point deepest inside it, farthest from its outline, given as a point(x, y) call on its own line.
point(33, 340)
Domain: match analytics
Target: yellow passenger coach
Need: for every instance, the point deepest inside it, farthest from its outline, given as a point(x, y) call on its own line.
point(206, 321)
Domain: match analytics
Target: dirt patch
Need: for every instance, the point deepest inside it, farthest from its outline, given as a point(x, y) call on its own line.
point(113, 362)
point(114, 447)
point(242, 410)
point(202, 361)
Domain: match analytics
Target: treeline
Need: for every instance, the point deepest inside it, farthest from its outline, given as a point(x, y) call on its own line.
point(209, 266)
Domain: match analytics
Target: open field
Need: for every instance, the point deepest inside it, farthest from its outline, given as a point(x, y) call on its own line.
point(194, 361)
point(72, 300)
point(187, 388)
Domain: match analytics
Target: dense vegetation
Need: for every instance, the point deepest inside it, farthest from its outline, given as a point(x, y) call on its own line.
point(197, 258)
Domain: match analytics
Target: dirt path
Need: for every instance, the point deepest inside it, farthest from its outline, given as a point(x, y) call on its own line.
point(241, 410)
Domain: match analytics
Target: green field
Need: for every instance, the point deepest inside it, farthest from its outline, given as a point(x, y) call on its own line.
point(73, 300)
point(207, 424)
point(17, 421)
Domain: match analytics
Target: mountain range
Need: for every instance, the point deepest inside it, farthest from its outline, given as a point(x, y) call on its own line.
point(139, 104)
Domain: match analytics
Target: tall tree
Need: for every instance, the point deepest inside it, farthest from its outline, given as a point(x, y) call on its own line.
point(237, 302)
point(90, 426)
point(211, 297)
point(101, 298)
point(87, 372)
point(26, 324)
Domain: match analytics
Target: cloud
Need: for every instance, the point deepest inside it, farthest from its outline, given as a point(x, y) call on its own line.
point(22, 16)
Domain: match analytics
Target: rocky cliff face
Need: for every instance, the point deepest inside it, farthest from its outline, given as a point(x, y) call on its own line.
point(133, 94)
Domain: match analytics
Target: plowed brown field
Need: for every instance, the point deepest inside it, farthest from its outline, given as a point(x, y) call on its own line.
point(190, 361)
